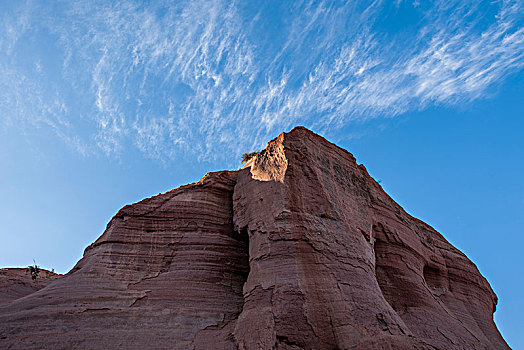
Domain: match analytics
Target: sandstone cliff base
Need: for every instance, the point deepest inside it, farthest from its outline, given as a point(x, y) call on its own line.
point(300, 249)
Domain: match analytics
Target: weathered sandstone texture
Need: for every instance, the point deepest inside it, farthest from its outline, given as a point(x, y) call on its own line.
point(300, 249)
point(16, 283)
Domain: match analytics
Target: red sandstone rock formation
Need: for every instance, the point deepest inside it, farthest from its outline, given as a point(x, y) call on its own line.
point(16, 283)
point(300, 249)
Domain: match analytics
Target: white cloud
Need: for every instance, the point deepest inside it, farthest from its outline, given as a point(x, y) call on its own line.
point(196, 76)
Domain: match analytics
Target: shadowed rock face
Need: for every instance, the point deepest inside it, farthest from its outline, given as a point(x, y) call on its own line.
point(300, 249)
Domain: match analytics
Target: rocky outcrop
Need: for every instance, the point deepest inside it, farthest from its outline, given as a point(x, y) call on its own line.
point(16, 283)
point(167, 272)
point(300, 249)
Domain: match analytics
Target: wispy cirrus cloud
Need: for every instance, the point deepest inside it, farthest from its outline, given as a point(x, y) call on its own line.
point(196, 76)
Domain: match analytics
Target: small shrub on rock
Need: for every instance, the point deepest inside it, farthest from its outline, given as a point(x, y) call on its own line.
point(248, 155)
point(34, 269)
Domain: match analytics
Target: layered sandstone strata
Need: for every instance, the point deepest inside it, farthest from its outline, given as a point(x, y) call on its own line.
point(16, 283)
point(300, 249)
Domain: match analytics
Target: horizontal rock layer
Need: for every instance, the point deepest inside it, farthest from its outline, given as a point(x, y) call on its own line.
point(300, 249)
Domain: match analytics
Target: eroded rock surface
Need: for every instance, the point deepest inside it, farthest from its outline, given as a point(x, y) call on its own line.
point(301, 249)
point(167, 273)
point(16, 283)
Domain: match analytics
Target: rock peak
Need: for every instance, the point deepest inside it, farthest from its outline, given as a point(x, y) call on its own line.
point(299, 249)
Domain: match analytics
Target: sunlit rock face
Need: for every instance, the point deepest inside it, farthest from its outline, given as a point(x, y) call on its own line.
point(300, 249)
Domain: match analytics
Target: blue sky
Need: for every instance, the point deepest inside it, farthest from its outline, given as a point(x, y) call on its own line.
point(103, 104)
